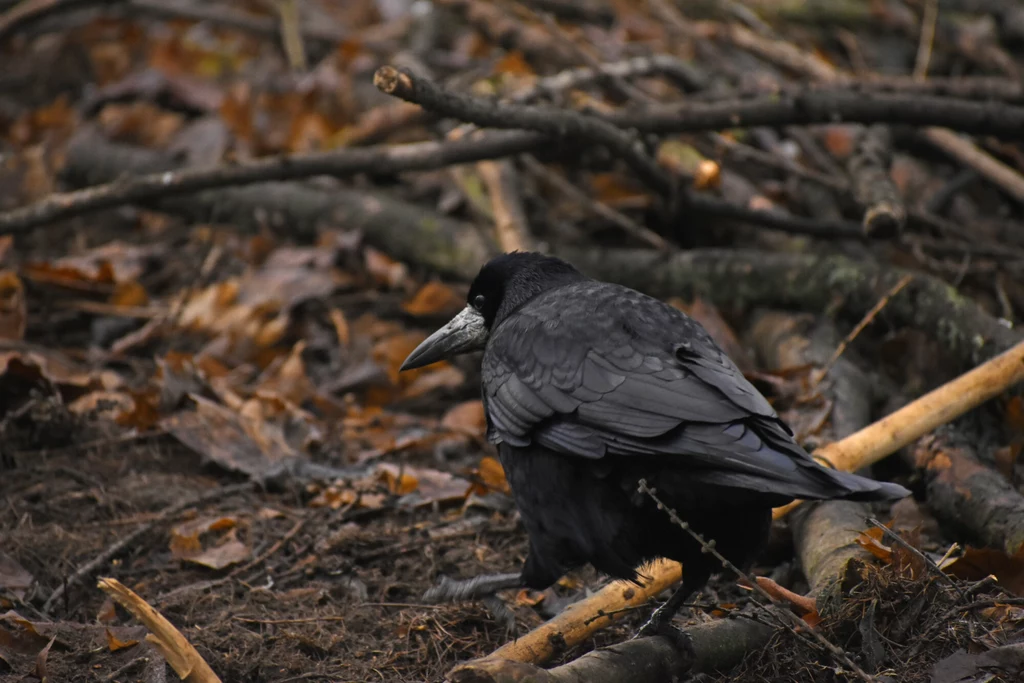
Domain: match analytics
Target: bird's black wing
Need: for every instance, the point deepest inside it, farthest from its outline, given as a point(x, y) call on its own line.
point(592, 368)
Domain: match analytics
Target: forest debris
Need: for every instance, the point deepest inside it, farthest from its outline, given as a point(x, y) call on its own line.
point(434, 298)
point(961, 666)
point(15, 580)
point(968, 496)
point(179, 653)
point(742, 279)
point(874, 190)
point(229, 439)
point(978, 563)
point(13, 312)
point(186, 542)
point(715, 645)
point(510, 223)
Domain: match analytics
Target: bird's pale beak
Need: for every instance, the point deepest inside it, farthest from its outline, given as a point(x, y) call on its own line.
point(464, 333)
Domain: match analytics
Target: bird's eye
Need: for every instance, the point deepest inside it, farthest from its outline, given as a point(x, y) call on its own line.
point(478, 302)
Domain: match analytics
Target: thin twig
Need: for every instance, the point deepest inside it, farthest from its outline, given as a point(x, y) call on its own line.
point(859, 327)
point(896, 538)
point(112, 551)
point(929, 18)
point(796, 625)
point(595, 206)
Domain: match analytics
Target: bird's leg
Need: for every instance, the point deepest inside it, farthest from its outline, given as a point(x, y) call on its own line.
point(660, 622)
point(484, 588)
point(452, 590)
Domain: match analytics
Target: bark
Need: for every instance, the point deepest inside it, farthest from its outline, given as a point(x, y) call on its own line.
point(966, 495)
point(406, 231)
point(825, 534)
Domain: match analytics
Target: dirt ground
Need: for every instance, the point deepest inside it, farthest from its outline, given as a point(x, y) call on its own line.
point(200, 395)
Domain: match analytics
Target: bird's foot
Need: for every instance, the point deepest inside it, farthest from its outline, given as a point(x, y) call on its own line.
point(662, 626)
point(478, 587)
point(483, 588)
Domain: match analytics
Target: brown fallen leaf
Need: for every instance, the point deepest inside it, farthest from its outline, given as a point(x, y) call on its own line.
point(434, 298)
point(13, 312)
point(977, 563)
point(227, 439)
point(114, 643)
point(14, 579)
point(433, 486)
point(489, 476)
point(466, 418)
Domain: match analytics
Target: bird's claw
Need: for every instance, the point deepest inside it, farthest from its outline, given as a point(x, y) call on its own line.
point(657, 626)
point(478, 587)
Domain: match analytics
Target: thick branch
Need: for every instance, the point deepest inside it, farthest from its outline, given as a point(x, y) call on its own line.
point(743, 279)
point(382, 159)
point(872, 187)
point(555, 123)
point(817, 106)
point(969, 496)
point(406, 231)
point(716, 645)
point(825, 534)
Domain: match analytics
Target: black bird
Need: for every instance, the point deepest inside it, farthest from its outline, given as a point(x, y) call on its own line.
point(588, 388)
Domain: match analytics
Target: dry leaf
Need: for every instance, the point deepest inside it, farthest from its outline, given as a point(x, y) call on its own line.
point(489, 476)
point(226, 438)
point(13, 313)
point(385, 270)
point(14, 579)
point(187, 543)
point(871, 540)
point(434, 298)
point(466, 418)
point(114, 643)
point(707, 176)
point(977, 563)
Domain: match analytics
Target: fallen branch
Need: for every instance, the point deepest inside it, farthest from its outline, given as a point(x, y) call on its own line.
point(872, 187)
point(740, 279)
point(825, 534)
point(715, 645)
point(555, 123)
point(385, 159)
point(817, 106)
point(406, 231)
point(968, 496)
point(510, 224)
point(560, 124)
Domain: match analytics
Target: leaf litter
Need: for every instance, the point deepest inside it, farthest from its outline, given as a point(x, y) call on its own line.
point(165, 358)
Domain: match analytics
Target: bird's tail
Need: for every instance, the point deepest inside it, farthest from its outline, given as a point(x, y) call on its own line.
point(838, 485)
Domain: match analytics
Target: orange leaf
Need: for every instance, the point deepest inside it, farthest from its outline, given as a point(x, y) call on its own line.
point(514, 64)
point(467, 418)
point(871, 540)
point(399, 482)
point(129, 294)
point(115, 643)
point(492, 475)
point(13, 312)
point(433, 298)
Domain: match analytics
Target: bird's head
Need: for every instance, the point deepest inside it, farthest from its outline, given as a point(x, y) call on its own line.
point(504, 284)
